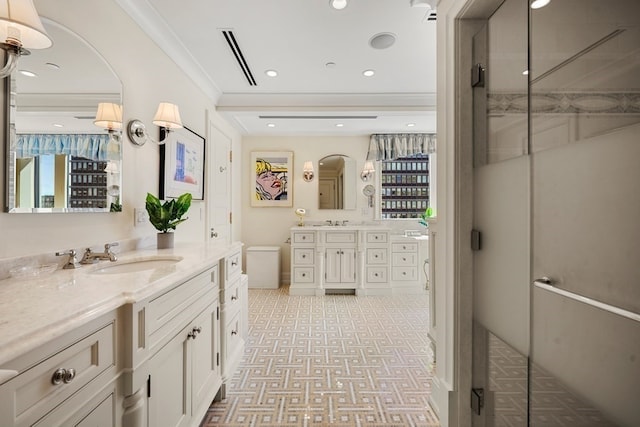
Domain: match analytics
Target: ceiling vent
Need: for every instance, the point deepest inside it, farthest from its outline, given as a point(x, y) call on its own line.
point(235, 49)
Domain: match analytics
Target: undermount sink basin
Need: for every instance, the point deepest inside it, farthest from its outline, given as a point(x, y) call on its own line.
point(136, 265)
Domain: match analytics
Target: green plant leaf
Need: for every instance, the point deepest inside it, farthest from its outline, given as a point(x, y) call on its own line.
point(166, 216)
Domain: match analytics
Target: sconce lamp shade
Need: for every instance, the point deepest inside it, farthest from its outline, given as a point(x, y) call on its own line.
point(367, 170)
point(108, 116)
point(167, 116)
point(21, 26)
point(307, 171)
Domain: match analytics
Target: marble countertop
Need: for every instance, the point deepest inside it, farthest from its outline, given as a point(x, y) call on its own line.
point(36, 310)
point(326, 227)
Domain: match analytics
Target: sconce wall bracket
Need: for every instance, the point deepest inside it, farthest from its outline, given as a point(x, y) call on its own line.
point(137, 132)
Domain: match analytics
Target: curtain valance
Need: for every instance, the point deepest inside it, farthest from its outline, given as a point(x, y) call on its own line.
point(90, 146)
point(393, 146)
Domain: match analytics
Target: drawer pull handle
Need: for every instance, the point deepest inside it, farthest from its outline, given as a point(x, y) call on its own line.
point(234, 332)
point(404, 259)
point(404, 273)
point(69, 376)
point(304, 274)
point(234, 263)
point(233, 297)
point(62, 375)
point(304, 237)
point(376, 274)
point(304, 256)
point(375, 256)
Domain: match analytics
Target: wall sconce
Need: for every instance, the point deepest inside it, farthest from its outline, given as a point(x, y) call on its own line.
point(167, 116)
point(21, 29)
point(109, 117)
point(307, 171)
point(367, 171)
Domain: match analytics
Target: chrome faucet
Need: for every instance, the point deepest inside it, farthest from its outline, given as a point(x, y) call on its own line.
point(72, 262)
point(91, 257)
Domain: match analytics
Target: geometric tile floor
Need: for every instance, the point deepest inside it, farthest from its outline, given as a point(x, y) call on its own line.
point(333, 360)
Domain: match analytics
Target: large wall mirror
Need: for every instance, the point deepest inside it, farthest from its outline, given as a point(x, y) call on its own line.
point(57, 159)
point(337, 182)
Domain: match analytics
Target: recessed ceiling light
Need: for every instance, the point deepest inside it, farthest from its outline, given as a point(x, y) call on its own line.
point(28, 73)
point(537, 4)
point(368, 73)
point(58, 125)
point(338, 4)
point(271, 125)
point(382, 40)
point(339, 125)
point(410, 125)
point(271, 73)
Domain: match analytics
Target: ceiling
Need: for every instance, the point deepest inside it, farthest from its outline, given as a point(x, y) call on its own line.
point(319, 53)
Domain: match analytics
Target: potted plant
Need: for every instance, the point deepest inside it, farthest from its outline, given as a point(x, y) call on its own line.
point(166, 216)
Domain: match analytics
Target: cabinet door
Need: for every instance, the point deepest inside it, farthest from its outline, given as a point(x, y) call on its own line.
point(170, 383)
point(206, 377)
point(348, 265)
point(332, 265)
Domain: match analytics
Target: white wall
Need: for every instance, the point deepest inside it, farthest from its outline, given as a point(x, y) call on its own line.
point(148, 77)
point(270, 226)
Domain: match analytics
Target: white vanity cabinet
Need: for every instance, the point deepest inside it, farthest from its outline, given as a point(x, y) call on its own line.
point(376, 259)
point(409, 265)
point(234, 309)
point(340, 259)
point(174, 354)
point(184, 375)
point(366, 259)
point(68, 381)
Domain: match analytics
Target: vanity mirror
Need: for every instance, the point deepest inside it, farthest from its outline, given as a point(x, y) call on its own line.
point(337, 182)
point(56, 158)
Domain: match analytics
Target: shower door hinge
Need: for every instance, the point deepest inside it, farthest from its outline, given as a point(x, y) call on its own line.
point(478, 75)
point(477, 400)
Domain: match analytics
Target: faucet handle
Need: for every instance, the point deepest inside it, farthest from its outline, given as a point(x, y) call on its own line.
point(108, 246)
point(72, 262)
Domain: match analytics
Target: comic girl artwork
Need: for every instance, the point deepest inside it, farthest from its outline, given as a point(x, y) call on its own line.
point(271, 175)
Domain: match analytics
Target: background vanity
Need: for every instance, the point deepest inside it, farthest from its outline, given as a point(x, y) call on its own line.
point(368, 260)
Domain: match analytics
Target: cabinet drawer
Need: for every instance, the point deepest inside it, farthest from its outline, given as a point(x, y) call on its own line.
point(405, 259)
point(377, 256)
point(377, 274)
point(34, 393)
point(232, 340)
point(405, 273)
point(167, 311)
point(303, 255)
point(303, 275)
point(231, 295)
point(376, 237)
point(303, 237)
point(404, 247)
point(340, 237)
point(233, 265)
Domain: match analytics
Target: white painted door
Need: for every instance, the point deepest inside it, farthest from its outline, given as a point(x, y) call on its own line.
point(327, 193)
point(219, 193)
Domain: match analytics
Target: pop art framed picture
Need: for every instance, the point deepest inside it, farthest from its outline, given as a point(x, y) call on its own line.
point(271, 178)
